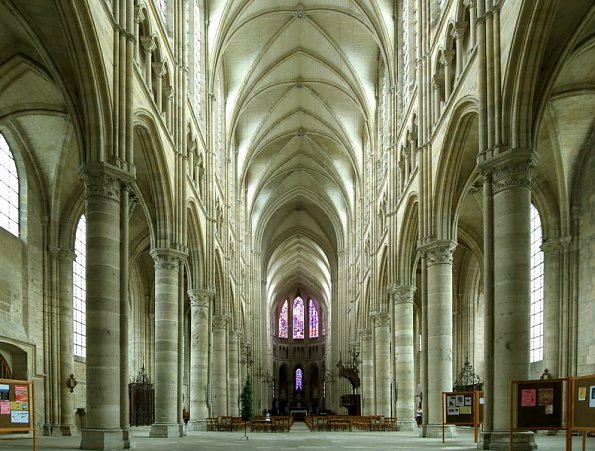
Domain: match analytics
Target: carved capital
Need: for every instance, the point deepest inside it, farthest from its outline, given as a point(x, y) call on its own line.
point(159, 68)
point(100, 181)
point(220, 321)
point(515, 174)
point(446, 57)
point(459, 30)
point(139, 14)
point(402, 294)
point(167, 259)
point(551, 247)
point(365, 335)
point(381, 320)
point(200, 298)
point(148, 42)
point(439, 252)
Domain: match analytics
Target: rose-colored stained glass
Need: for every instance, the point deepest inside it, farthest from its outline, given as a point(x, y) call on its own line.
point(283, 324)
point(313, 320)
point(298, 318)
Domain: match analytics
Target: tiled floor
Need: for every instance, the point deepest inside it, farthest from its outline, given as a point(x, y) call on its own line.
point(298, 439)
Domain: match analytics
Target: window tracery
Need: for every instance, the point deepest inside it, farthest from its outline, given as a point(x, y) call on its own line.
point(313, 320)
point(299, 379)
point(283, 324)
point(298, 318)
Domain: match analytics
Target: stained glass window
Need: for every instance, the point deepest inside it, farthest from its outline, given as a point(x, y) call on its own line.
point(313, 320)
point(79, 289)
point(283, 329)
point(298, 318)
point(536, 287)
point(9, 190)
point(299, 377)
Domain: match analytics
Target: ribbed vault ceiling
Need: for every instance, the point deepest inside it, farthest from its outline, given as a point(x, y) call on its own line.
point(300, 83)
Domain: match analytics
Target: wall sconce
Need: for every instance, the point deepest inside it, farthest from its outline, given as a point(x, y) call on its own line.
point(71, 382)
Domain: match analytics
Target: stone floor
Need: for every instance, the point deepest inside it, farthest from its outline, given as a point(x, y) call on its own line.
point(299, 438)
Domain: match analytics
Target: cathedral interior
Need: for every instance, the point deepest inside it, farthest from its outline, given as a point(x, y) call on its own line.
point(350, 203)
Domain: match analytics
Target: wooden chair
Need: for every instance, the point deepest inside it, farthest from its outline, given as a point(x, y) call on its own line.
point(212, 424)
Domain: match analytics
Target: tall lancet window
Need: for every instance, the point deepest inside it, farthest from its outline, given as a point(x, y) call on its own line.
point(299, 379)
point(196, 59)
point(536, 287)
point(313, 320)
point(298, 318)
point(283, 329)
point(9, 190)
point(79, 289)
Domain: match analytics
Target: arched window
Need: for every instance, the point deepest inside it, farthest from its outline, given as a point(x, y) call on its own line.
point(299, 379)
point(9, 190)
point(283, 329)
point(313, 320)
point(536, 287)
point(79, 289)
point(298, 318)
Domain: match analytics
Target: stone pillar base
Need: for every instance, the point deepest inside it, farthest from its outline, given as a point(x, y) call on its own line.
point(166, 430)
point(435, 431)
point(105, 439)
point(198, 425)
point(406, 425)
point(500, 440)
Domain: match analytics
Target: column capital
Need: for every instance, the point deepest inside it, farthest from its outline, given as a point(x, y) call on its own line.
point(101, 180)
point(148, 43)
point(220, 321)
point(458, 30)
point(167, 258)
point(365, 335)
point(552, 246)
point(439, 252)
point(381, 320)
point(509, 168)
point(402, 294)
point(159, 68)
point(200, 298)
point(446, 57)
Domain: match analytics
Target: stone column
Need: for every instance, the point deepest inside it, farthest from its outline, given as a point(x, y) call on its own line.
point(233, 374)
point(167, 265)
point(457, 33)
point(446, 60)
point(102, 209)
point(199, 358)
point(67, 425)
point(511, 177)
point(368, 400)
point(439, 283)
point(160, 69)
point(402, 297)
point(472, 20)
point(219, 375)
point(382, 363)
point(149, 45)
point(552, 253)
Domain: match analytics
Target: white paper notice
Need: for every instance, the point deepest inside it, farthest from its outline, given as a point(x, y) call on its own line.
point(19, 416)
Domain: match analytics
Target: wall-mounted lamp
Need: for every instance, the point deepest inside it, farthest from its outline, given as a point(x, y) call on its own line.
point(71, 382)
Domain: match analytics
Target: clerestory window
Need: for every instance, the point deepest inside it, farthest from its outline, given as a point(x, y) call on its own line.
point(9, 189)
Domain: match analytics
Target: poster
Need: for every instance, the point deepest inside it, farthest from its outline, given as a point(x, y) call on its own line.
point(592, 396)
point(18, 405)
point(4, 392)
point(451, 401)
point(545, 396)
point(460, 400)
point(21, 393)
point(528, 396)
point(4, 408)
point(19, 417)
point(452, 411)
point(465, 410)
point(549, 409)
point(582, 393)
point(467, 400)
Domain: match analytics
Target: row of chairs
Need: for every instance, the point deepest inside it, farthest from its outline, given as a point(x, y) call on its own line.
point(349, 422)
point(258, 424)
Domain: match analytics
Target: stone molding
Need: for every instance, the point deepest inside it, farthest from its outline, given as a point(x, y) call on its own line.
point(439, 252)
point(168, 259)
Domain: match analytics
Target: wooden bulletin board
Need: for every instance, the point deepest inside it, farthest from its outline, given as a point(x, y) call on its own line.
point(537, 404)
point(17, 413)
point(583, 403)
point(463, 409)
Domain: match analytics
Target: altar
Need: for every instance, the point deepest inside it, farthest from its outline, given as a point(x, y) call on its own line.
point(298, 413)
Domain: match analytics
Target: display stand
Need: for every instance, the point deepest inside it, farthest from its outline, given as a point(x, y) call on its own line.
point(17, 407)
point(536, 405)
point(581, 406)
point(462, 409)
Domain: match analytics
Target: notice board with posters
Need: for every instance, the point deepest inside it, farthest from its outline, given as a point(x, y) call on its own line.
point(583, 403)
point(16, 406)
point(537, 404)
